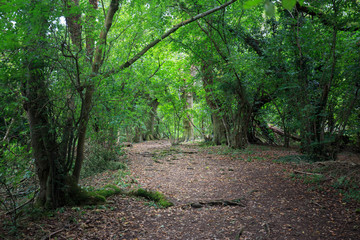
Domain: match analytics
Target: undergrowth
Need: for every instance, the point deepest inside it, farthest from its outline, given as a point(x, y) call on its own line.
point(338, 175)
point(99, 159)
point(348, 188)
point(294, 159)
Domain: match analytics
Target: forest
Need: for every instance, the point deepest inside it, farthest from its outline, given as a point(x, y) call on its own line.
point(93, 91)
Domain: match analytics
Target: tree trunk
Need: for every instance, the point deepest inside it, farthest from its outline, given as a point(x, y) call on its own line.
point(49, 169)
point(150, 124)
point(187, 120)
point(87, 103)
point(239, 137)
point(84, 119)
point(218, 123)
point(218, 129)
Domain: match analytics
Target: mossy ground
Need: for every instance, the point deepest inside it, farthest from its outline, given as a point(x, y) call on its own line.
point(159, 198)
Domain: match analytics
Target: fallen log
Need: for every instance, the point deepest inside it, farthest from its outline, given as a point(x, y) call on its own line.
point(281, 133)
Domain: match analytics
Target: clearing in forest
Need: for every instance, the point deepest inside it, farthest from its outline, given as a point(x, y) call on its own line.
point(218, 194)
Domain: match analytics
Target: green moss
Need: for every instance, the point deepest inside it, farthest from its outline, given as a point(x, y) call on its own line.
point(157, 197)
point(78, 196)
point(108, 191)
point(82, 197)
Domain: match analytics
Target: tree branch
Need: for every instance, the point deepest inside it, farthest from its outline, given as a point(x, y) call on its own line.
point(167, 34)
point(325, 19)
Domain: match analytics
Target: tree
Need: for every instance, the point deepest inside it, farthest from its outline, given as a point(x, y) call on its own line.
point(58, 140)
point(318, 74)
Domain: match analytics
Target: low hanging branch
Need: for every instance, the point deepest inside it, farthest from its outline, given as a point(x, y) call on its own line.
point(165, 35)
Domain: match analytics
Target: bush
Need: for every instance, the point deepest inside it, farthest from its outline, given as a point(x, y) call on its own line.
point(17, 178)
point(99, 159)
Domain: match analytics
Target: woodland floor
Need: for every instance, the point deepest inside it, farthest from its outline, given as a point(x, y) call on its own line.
point(273, 204)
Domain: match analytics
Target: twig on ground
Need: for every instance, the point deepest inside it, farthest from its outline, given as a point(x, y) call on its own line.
point(317, 204)
point(237, 237)
point(52, 234)
point(307, 173)
point(266, 227)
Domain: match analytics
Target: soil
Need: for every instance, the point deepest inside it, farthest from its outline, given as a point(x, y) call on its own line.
point(272, 205)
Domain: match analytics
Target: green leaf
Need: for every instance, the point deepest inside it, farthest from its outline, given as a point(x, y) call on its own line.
point(269, 8)
point(252, 3)
point(289, 4)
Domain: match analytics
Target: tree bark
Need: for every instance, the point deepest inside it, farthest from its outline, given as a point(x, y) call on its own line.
point(218, 123)
point(73, 21)
point(48, 160)
point(187, 121)
point(87, 104)
point(150, 125)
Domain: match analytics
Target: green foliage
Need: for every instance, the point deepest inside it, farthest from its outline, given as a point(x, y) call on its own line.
point(348, 187)
point(296, 71)
point(123, 179)
point(269, 8)
point(157, 197)
point(340, 178)
point(289, 4)
point(16, 178)
point(295, 159)
point(99, 159)
point(314, 179)
point(252, 3)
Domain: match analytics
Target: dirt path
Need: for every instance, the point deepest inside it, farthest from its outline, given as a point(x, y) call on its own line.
point(273, 206)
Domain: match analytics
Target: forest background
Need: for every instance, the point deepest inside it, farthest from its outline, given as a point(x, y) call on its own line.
point(78, 78)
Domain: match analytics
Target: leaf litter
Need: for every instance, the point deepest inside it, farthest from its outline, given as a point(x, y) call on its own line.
point(271, 204)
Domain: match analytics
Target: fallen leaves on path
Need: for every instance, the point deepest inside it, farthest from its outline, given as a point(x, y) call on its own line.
point(271, 204)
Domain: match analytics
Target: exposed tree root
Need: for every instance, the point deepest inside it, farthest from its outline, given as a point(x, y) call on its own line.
point(200, 204)
point(307, 173)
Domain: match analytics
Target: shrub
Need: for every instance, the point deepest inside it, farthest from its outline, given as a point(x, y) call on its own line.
point(99, 159)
